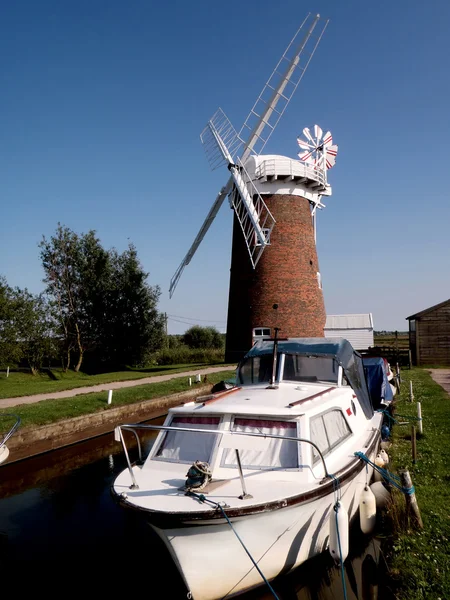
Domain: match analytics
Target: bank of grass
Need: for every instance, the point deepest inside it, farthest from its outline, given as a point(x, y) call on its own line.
point(25, 384)
point(420, 560)
point(51, 411)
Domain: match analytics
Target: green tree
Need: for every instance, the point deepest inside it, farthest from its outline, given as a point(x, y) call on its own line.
point(32, 327)
point(9, 348)
point(135, 327)
point(100, 299)
point(203, 337)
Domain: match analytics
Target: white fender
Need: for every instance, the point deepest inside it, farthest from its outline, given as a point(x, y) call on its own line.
point(382, 495)
point(384, 456)
point(379, 460)
point(338, 523)
point(367, 510)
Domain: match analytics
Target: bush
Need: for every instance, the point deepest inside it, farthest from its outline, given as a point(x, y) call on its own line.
point(203, 337)
point(185, 355)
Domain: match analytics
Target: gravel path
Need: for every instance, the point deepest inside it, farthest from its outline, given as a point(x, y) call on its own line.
point(103, 387)
point(442, 377)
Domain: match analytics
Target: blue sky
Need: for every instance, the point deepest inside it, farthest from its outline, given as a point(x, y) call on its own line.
point(102, 104)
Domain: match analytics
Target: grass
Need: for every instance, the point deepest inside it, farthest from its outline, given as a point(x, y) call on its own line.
point(419, 560)
point(51, 411)
point(26, 384)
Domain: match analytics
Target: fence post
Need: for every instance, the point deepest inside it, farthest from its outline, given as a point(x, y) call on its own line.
point(411, 500)
point(411, 395)
point(110, 396)
point(7, 372)
point(419, 416)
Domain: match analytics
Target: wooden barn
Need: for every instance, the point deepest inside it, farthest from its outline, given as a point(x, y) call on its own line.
point(429, 335)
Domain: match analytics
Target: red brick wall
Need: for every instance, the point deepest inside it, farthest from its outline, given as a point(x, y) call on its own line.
point(286, 275)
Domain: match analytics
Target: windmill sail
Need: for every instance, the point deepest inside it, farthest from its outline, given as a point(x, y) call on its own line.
point(257, 129)
point(254, 217)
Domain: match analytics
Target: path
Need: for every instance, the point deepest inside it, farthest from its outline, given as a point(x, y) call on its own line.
point(103, 387)
point(442, 377)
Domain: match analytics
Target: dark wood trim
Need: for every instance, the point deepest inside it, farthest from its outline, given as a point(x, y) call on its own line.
point(311, 397)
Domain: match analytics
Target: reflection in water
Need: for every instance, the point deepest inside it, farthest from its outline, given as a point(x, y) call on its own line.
point(62, 533)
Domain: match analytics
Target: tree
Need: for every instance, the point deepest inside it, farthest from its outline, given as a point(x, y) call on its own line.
point(100, 299)
point(32, 327)
point(203, 337)
point(135, 327)
point(9, 349)
point(60, 259)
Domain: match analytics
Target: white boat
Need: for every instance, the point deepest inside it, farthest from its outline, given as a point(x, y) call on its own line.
point(277, 452)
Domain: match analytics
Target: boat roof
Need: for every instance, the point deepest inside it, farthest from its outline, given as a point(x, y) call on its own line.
point(261, 399)
point(339, 349)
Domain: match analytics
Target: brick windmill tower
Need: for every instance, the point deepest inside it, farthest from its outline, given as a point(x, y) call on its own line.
point(275, 279)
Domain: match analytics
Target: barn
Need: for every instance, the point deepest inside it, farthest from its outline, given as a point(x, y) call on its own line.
point(357, 329)
point(429, 335)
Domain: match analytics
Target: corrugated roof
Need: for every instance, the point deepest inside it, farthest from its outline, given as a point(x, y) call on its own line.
point(349, 321)
point(427, 310)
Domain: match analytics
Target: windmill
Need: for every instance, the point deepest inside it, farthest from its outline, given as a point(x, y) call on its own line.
point(274, 278)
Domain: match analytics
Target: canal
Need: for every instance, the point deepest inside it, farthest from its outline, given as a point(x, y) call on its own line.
point(61, 534)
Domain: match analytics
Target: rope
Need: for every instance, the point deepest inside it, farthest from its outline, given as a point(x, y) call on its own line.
point(386, 413)
point(203, 498)
point(388, 476)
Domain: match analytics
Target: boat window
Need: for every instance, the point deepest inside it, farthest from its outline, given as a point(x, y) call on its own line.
point(255, 369)
point(183, 446)
point(328, 431)
point(310, 368)
point(277, 454)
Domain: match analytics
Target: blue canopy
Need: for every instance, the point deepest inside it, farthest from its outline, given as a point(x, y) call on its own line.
point(377, 380)
point(338, 348)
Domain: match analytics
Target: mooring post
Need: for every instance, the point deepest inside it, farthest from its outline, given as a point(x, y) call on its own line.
point(411, 395)
point(413, 444)
point(411, 500)
point(419, 418)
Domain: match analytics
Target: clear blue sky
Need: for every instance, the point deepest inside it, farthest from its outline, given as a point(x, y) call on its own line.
point(102, 103)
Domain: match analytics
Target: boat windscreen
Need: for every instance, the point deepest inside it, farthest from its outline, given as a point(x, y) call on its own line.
point(186, 447)
point(310, 368)
point(278, 453)
point(255, 369)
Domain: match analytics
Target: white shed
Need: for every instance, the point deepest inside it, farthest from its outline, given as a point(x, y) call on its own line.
point(357, 329)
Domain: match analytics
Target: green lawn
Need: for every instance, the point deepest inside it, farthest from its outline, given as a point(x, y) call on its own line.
point(51, 411)
point(420, 560)
point(25, 384)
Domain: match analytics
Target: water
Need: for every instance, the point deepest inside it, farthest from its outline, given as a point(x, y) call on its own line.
point(62, 533)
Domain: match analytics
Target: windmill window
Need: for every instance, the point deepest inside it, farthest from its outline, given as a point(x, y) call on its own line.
point(261, 332)
point(266, 233)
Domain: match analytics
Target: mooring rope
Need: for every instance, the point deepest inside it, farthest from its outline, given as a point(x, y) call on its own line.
point(389, 416)
point(390, 477)
point(203, 498)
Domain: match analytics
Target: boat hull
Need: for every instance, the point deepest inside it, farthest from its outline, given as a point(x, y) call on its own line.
point(214, 563)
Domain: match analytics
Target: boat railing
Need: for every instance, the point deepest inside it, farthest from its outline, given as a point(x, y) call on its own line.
point(4, 437)
point(133, 427)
